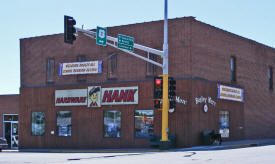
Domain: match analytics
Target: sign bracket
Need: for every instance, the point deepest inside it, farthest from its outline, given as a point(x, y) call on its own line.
point(114, 41)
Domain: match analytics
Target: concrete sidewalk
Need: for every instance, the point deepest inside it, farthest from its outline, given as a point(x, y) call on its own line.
point(224, 145)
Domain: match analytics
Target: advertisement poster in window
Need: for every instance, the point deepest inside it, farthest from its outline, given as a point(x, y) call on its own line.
point(94, 94)
point(144, 123)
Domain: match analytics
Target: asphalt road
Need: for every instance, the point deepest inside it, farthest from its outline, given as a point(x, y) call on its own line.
point(249, 155)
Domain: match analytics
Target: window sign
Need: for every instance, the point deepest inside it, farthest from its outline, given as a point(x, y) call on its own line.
point(64, 123)
point(144, 123)
point(38, 123)
point(112, 124)
point(224, 123)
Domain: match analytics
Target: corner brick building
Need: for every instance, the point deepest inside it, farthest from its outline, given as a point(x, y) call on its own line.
point(223, 82)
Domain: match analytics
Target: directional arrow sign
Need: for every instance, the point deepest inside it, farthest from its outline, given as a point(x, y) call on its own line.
point(125, 42)
point(101, 36)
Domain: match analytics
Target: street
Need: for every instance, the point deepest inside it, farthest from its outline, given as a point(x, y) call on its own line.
point(249, 155)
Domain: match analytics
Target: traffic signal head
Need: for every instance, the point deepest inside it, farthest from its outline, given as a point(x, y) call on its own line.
point(172, 104)
point(171, 87)
point(69, 29)
point(158, 87)
point(157, 104)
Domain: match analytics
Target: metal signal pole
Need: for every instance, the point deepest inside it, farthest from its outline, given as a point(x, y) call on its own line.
point(164, 143)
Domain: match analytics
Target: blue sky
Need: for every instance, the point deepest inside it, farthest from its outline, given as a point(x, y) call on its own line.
point(30, 18)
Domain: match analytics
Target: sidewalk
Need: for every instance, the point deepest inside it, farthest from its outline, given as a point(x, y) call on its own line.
point(224, 145)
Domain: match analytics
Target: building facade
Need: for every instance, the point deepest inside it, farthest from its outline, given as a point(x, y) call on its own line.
point(9, 110)
point(88, 96)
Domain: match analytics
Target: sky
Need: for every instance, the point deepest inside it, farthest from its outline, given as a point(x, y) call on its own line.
point(253, 19)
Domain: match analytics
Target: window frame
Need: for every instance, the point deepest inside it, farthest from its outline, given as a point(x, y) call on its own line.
point(82, 78)
point(103, 134)
point(44, 123)
point(151, 69)
point(57, 130)
point(112, 66)
point(233, 69)
point(143, 137)
point(50, 71)
point(270, 78)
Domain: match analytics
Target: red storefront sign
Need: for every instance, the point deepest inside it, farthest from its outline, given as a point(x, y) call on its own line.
point(119, 95)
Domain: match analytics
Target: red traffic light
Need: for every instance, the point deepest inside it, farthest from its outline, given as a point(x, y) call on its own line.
point(158, 81)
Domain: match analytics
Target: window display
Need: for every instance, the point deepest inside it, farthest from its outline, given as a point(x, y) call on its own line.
point(112, 124)
point(64, 123)
point(224, 124)
point(144, 123)
point(38, 123)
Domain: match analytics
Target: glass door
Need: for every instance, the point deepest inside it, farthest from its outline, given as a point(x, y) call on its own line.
point(14, 135)
point(11, 130)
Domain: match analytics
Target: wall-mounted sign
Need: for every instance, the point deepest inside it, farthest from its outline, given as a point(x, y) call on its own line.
point(94, 95)
point(181, 101)
point(205, 100)
point(119, 95)
point(230, 93)
point(72, 97)
point(205, 108)
point(89, 67)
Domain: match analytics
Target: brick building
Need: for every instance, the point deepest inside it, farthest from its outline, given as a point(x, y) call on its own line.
point(223, 82)
point(9, 110)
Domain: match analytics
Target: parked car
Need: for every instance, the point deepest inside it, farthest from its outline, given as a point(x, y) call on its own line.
point(3, 143)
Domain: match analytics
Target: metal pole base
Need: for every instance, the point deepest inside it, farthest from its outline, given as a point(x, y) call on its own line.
point(164, 145)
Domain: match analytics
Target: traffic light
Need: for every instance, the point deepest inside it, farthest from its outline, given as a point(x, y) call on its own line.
point(157, 104)
point(171, 87)
point(171, 92)
point(158, 82)
point(69, 29)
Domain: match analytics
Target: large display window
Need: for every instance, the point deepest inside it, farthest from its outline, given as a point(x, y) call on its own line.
point(64, 123)
point(112, 124)
point(38, 123)
point(144, 123)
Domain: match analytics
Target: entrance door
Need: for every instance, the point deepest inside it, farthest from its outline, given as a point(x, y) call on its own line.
point(11, 130)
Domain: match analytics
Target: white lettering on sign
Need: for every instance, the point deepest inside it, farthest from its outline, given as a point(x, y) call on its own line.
point(119, 95)
point(181, 101)
point(205, 100)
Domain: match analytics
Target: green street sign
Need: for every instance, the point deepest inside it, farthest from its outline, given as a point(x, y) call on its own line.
point(101, 36)
point(125, 42)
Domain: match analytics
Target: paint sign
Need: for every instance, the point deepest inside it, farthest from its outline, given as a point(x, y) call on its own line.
point(72, 97)
point(89, 67)
point(230, 93)
point(119, 95)
point(94, 95)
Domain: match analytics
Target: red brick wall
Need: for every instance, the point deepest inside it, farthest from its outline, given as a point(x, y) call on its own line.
point(196, 50)
point(9, 105)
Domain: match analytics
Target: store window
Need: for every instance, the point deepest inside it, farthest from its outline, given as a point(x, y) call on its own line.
point(144, 123)
point(112, 124)
point(112, 66)
point(82, 77)
point(224, 124)
point(270, 78)
point(50, 70)
point(151, 68)
point(64, 123)
point(38, 123)
point(233, 69)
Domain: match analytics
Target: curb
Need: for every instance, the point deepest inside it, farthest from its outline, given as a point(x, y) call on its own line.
point(243, 145)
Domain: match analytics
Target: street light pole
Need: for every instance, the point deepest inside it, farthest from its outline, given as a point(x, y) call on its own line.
point(164, 143)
